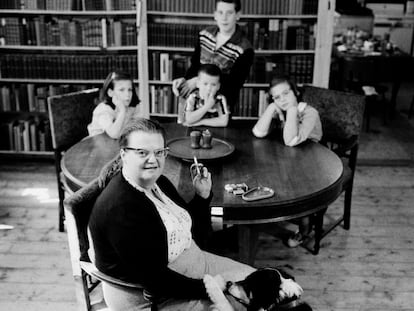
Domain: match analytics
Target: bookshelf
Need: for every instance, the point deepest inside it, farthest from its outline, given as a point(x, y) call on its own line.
point(55, 47)
point(289, 36)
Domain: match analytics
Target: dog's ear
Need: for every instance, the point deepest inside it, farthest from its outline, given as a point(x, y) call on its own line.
point(262, 286)
point(285, 274)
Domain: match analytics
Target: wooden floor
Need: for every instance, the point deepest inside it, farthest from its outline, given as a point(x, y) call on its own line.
point(370, 267)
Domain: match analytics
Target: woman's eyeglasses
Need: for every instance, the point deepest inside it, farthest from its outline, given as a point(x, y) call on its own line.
point(144, 153)
point(278, 98)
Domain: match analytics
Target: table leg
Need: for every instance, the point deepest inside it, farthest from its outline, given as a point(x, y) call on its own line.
point(248, 240)
point(411, 110)
point(394, 92)
point(318, 231)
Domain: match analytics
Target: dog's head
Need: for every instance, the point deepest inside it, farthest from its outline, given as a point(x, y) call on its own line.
point(266, 289)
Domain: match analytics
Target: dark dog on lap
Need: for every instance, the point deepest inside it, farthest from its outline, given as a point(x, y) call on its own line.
point(264, 289)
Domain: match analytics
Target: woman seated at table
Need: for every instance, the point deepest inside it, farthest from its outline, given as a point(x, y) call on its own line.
point(144, 232)
point(299, 122)
point(118, 103)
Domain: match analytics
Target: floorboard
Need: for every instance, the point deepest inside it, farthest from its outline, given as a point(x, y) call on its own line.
point(367, 268)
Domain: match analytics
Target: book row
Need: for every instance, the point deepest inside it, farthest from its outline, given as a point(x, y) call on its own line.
point(298, 67)
point(252, 102)
point(67, 5)
point(162, 66)
point(173, 34)
point(166, 67)
point(270, 34)
point(162, 100)
point(31, 134)
point(291, 7)
point(30, 97)
point(62, 66)
point(275, 34)
point(50, 31)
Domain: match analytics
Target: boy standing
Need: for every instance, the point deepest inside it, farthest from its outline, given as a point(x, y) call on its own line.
point(224, 45)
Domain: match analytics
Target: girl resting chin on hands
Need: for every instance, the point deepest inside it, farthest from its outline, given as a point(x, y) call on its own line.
point(299, 122)
point(118, 103)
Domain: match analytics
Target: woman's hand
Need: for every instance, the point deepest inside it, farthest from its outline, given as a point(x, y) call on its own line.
point(202, 183)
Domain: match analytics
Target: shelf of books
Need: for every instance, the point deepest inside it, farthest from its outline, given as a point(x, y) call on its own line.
point(55, 47)
point(283, 34)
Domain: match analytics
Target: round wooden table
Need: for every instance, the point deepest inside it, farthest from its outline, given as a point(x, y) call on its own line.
point(305, 178)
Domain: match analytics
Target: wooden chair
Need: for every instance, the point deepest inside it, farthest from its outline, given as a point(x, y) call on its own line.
point(341, 115)
point(69, 116)
point(78, 209)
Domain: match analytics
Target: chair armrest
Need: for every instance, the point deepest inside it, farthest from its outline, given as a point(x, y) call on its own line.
point(91, 269)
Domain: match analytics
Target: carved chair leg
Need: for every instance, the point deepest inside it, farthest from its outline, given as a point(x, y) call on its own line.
point(61, 211)
point(82, 293)
point(61, 195)
point(61, 191)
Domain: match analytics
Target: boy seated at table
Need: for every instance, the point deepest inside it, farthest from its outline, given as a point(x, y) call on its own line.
point(205, 106)
point(299, 122)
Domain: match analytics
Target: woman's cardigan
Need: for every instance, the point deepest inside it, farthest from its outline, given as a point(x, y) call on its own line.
point(130, 239)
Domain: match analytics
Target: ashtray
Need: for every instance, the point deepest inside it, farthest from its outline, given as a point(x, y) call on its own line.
point(258, 193)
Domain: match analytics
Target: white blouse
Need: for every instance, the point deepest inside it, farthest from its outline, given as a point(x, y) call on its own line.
point(103, 116)
point(177, 221)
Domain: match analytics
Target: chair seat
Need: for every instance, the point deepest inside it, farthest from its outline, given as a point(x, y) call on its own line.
point(92, 270)
point(65, 184)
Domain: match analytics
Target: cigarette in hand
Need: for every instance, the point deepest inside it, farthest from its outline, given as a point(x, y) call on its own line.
point(197, 166)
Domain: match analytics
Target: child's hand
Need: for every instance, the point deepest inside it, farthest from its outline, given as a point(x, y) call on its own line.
point(122, 109)
point(292, 110)
point(176, 85)
point(278, 112)
point(210, 101)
